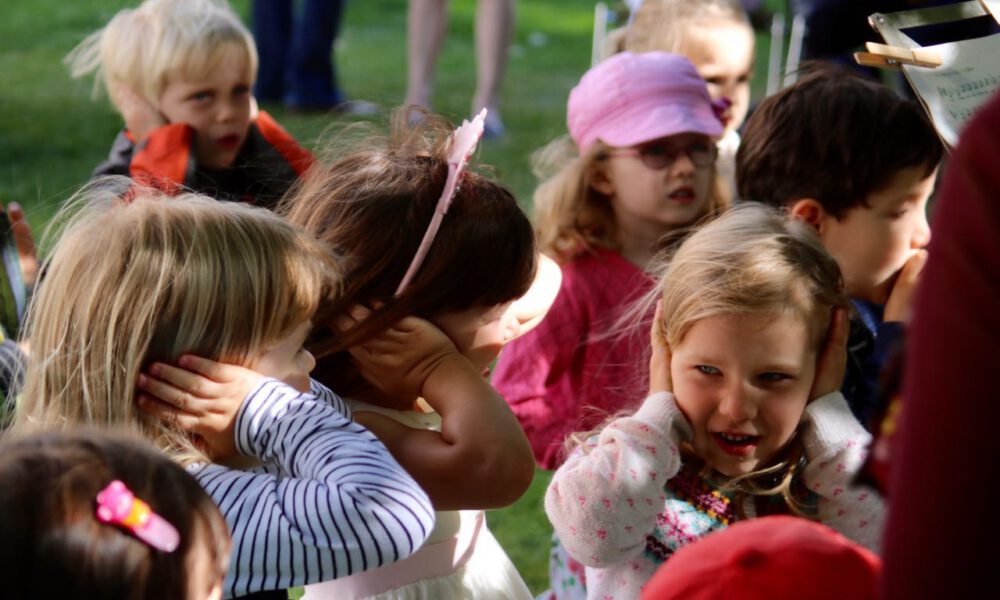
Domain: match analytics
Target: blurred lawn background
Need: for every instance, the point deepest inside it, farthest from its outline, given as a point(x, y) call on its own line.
point(52, 134)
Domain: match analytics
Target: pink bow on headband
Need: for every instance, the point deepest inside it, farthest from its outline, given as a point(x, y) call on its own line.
point(463, 143)
point(118, 506)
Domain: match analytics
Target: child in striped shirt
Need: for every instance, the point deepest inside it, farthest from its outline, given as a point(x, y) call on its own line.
point(135, 286)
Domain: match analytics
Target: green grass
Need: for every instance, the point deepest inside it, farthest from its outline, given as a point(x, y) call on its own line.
point(52, 134)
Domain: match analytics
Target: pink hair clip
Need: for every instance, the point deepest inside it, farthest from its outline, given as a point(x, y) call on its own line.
point(463, 143)
point(118, 506)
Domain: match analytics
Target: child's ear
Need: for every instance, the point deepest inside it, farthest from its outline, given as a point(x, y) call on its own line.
point(810, 211)
point(599, 180)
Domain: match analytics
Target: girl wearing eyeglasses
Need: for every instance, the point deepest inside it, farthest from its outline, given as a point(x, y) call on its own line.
point(638, 165)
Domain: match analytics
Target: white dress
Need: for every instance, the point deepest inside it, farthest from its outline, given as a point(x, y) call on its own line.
point(460, 560)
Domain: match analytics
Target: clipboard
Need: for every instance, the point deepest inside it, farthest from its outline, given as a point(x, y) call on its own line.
point(951, 80)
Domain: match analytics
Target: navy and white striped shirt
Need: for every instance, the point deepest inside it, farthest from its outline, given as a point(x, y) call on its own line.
point(329, 501)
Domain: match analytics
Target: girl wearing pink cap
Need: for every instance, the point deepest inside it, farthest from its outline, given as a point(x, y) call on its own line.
point(640, 165)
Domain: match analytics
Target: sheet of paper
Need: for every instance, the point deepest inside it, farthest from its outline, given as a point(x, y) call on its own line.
point(992, 7)
point(968, 76)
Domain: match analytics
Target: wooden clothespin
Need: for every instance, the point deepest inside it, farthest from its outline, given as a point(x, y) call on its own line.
point(892, 57)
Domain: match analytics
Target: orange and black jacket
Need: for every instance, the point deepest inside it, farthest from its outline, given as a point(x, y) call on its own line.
point(267, 164)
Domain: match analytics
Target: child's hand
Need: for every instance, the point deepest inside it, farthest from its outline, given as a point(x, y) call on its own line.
point(27, 254)
point(898, 306)
point(659, 361)
point(141, 117)
point(201, 396)
point(399, 360)
point(832, 361)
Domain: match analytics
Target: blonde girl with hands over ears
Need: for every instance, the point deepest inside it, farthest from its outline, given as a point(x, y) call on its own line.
point(743, 418)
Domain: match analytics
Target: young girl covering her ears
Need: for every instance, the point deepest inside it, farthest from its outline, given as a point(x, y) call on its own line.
point(433, 258)
point(641, 165)
point(743, 419)
point(97, 514)
point(136, 287)
point(455, 434)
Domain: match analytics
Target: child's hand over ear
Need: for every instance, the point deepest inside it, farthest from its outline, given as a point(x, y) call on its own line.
point(659, 360)
point(141, 117)
point(832, 360)
point(201, 396)
point(900, 303)
point(399, 360)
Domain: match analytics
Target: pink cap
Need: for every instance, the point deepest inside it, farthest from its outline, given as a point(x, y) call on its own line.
point(768, 558)
point(633, 98)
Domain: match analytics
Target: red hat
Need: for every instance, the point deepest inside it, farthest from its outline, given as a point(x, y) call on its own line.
point(769, 558)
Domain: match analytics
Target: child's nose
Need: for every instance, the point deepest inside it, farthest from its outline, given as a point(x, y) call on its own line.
point(227, 111)
point(682, 165)
point(738, 404)
point(922, 234)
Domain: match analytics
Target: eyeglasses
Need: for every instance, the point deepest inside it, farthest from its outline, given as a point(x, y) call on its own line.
point(661, 155)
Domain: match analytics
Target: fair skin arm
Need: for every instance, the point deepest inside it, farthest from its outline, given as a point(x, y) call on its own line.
point(201, 396)
point(480, 459)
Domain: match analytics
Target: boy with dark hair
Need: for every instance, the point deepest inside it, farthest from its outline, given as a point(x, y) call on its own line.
point(858, 163)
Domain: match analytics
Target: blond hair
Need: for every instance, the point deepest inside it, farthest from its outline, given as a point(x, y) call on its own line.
point(571, 216)
point(129, 284)
point(672, 25)
point(144, 47)
point(753, 260)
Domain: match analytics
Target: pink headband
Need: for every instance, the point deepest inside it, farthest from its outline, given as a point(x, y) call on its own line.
point(117, 505)
point(463, 143)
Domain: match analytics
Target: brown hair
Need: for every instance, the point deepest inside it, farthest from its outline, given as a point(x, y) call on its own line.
point(833, 136)
point(370, 203)
point(54, 547)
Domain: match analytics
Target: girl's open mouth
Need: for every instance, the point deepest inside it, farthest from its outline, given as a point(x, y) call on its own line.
point(684, 194)
point(736, 444)
point(228, 141)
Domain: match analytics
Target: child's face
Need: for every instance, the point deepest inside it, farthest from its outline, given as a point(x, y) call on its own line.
point(480, 333)
point(205, 581)
point(743, 382)
point(655, 200)
point(722, 52)
point(287, 360)
point(872, 243)
point(217, 107)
